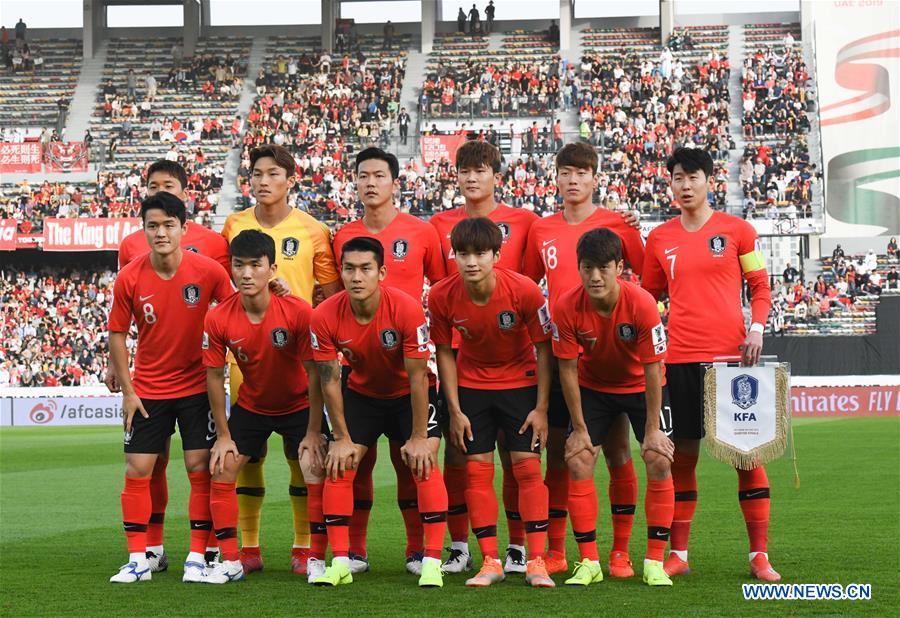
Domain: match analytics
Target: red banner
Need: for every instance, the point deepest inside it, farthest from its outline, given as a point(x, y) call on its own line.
point(845, 401)
point(67, 157)
point(87, 234)
point(20, 158)
point(8, 234)
point(438, 147)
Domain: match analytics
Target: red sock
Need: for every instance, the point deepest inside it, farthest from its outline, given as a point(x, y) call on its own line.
point(432, 494)
point(318, 535)
point(223, 505)
point(659, 505)
point(136, 512)
point(456, 479)
point(363, 495)
point(684, 477)
point(159, 499)
point(533, 500)
point(753, 493)
point(557, 482)
point(623, 490)
point(407, 500)
point(337, 503)
point(583, 512)
point(511, 504)
point(482, 504)
point(199, 510)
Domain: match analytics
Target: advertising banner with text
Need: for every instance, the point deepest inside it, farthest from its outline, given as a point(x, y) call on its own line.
point(87, 234)
point(8, 234)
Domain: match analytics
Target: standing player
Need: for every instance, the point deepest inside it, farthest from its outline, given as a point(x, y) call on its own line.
point(412, 251)
point(478, 174)
point(495, 384)
point(701, 257)
point(169, 176)
point(383, 335)
point(550, 252)
point(269, 337)
point(167, 293)
point(617, 325)
point(304, 253)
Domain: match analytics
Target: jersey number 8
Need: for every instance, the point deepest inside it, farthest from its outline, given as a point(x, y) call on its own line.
point(149, 314)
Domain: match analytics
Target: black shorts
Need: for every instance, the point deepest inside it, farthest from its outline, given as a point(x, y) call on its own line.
point(195, 424)
point(685, 382)
point(490, 412)
point(250, 431)
point(368, 418)
point(600, 411)
point(558, 411)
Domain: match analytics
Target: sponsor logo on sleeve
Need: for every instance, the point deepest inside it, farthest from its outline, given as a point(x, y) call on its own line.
point(659, 339)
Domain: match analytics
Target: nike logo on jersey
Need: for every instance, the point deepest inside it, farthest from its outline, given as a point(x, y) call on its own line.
point(668, 251)
point(345, 341)
point(582, 333)
point(455, 321)
point(143, 298)
point(235, 341)
point(547, 242)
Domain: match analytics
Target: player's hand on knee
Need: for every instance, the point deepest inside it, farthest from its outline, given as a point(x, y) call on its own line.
point(340, 458)
point(537, 421)
point(314, 447)
point(219, 452)
point(131, 405)
point(578, 441)
point(656, 441)
point(418, 457)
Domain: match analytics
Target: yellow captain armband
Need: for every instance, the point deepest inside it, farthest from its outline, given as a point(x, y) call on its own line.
point(752, 261)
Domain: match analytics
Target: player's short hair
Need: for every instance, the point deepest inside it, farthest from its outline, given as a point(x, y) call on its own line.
point(599, 247)
point(283, 157)
point(172, 168)
point(166, 202)
point(578, 155)
point(364, 244)
point(476, 234)
point(691, 160)
point(473, 154)
point(374, 152)
point(253, 244)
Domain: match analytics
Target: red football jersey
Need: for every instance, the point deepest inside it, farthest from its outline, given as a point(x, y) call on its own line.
point(412, 251)
point(552, 243)
point(702, 271)
point(495, 340)
point(375, 351)
point(617, 347)
point(514, 224)
point(270, 354)
point(197, 239)
point(169, 316)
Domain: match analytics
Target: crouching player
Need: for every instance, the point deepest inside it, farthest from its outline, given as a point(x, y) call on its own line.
point(383, 335)
point(620, 372)
point(495, 384)
point(269, 338)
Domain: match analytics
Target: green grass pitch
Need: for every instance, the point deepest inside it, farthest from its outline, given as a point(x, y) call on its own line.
point(61, 539)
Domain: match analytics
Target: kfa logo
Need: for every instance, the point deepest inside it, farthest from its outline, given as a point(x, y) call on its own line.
point(279, 337)
point(627, 332)
point(744, 391)
point(506, 319)
point(192, 249)
point(717, 245)
point(290, 246)
point(191, 294)
point(400, 248)
point(504, 230)
point(42, 413)
point(389, 338)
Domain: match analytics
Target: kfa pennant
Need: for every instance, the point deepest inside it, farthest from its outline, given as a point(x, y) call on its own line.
point(747, 413)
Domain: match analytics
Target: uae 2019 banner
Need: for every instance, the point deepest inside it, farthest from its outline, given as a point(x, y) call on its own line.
point(857, 47)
